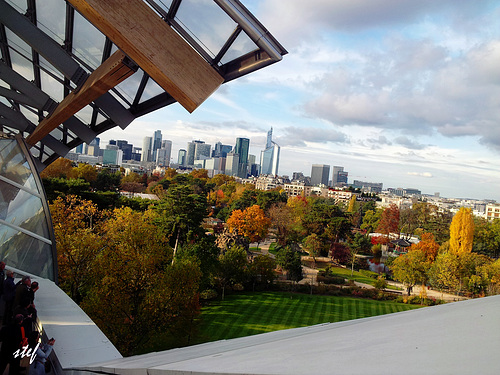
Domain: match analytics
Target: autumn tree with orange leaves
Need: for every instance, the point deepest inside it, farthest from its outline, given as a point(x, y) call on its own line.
point(251, 223)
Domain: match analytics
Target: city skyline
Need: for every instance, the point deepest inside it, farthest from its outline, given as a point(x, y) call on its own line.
point(406, 94)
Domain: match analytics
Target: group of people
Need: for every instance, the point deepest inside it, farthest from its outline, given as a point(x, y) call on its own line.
point(19, 336)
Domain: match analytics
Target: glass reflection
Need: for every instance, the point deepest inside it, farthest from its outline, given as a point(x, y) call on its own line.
point(51, 18)
point(206, 22)
point(152, 89)
point(88, 42)
point(241, 46)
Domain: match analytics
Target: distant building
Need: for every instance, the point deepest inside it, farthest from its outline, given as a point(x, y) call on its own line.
point(375, 187)
point(220, 150)
point(241, 148)
point(269, 158)
point(192, 152)
point(182, 157)
point(493, 211)
point(112, 156)
point(232, 164)
point(147, 149)
point(163, 154)
point(320, 174)
point(156, 144)
point(339, 176)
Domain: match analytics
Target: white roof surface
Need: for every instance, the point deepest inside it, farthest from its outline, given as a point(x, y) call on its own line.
point(456, 338)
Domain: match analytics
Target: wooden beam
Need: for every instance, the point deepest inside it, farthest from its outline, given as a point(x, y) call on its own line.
point(148, 40)
point(111, 72)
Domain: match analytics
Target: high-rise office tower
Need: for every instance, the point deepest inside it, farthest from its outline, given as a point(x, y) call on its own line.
point(339, 176)
point(232, 163)
point(241, 148)
point(320, 174)
point(202, 151)
point(220, 150)
point(156, 144)
point(182, 157)
point(147, 148)
point(191, 152)
point(126, 148)
point(269, 158)
point(163, 154)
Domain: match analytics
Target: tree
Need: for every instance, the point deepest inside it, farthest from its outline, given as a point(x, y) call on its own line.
point(371, 219)
point(232, 267)
point(251, 223)
point(313, 245)
point(389, 221)
point(79, 235)
point(290, 262)
point(60, 168)
point(262, 270)
point(84, 171)
point(359, 244)
point(462, 232)
point(411, 268)
point(136, 293)
point(181, 214)
point(428, 246)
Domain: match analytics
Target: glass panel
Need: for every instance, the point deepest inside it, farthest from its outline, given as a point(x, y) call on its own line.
point(206, 22)
point(88, 42)
point(100, 119)
point(23, 209)
point(52, 87)
point(30, 116)
point(51, 18)
point(241, 46)
point(27, 253)
point(19, 62)
point(164, 4)
point(152, 89)
point(128, 88)
point(85, 114)
point(57, 134)
point(14, 166)
point(20, 5)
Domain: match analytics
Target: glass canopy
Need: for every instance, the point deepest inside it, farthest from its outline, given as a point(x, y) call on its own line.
point(26, 236)
point(48, 49)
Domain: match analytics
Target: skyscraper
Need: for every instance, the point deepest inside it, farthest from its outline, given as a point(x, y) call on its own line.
point(163, 154)
point(339, 176)
point(232, 162)
point(220, 150)
point(156, 144)
point(241, 148)
point(147, 148)
point(269, 158)
point(320, 174)
point(182, 157)
point(191, 152)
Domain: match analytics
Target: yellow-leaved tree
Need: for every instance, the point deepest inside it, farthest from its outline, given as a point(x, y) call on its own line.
point(462, 232)
point(251, 223)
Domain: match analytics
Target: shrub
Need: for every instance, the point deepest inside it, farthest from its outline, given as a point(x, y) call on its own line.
point(208, 294)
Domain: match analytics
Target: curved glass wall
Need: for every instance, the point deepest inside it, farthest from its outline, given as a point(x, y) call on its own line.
point(26, 236)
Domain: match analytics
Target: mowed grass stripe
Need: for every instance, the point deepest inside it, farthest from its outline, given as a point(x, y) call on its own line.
point(252, 313)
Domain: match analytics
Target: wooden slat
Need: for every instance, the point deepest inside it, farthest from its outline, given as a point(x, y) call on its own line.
point(148, 40)
point(108, 75)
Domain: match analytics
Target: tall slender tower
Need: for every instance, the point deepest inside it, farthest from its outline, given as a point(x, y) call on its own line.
point(147, 148)
point(270, 157)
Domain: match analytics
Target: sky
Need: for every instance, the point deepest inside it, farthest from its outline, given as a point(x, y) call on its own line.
point(402, 92)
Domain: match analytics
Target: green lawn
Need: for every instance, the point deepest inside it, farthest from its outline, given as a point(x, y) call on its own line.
point(252, 313)
point(357, 276)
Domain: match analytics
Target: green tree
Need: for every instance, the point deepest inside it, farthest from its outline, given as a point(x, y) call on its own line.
point(313, 245)
point(290, 262)
point(411, 268)
point(262, 270)
point(232, 268)
point(144, 295)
